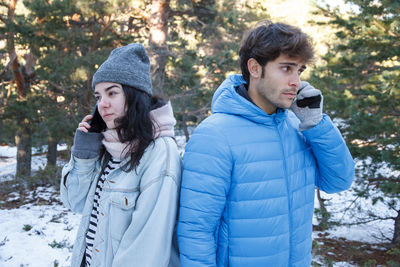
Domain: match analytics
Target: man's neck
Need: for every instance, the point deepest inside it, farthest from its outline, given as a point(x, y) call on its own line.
point(242, 91)
point(259, 100)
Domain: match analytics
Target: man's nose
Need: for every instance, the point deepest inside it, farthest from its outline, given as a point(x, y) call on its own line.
point(295, 81)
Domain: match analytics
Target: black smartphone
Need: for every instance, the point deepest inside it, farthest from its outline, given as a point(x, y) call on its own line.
point(97, 124)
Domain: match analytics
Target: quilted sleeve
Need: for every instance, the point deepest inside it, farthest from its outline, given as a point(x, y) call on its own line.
point(335, 163)
point(206, 176)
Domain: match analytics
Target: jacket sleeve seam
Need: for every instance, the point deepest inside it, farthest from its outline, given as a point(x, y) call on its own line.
point(155, 180)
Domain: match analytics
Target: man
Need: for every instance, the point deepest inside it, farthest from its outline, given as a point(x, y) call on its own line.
point(251, 168)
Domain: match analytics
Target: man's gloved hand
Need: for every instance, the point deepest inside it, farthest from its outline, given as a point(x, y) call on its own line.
point(308, 106)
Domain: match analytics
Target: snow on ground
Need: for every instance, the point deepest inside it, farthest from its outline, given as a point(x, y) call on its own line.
point(8, 161)
point(343, 209)
point(36, 235)
point(42, 235)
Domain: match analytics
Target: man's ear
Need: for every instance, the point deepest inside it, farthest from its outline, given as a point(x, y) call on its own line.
point(255, 69)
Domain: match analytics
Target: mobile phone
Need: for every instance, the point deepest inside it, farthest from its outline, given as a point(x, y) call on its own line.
point(97, 124)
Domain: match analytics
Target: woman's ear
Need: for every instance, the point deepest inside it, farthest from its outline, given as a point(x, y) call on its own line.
point(255, 68)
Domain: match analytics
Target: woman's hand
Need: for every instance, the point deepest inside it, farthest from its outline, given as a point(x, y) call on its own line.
point(84, 125)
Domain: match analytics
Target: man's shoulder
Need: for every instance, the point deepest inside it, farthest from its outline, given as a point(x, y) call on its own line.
point(220, 121)
point(210, 137)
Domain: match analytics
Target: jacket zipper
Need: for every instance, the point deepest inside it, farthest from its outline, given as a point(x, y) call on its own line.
point(288, 192)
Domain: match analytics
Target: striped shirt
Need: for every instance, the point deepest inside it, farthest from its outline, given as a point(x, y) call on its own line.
point(91, 232)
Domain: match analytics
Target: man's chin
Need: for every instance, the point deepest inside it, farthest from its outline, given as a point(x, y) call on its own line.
point(285, 106)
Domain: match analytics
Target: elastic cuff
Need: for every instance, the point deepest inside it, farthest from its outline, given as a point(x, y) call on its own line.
point(309, 123)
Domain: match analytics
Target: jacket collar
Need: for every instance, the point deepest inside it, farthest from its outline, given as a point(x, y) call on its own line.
point(227, 100)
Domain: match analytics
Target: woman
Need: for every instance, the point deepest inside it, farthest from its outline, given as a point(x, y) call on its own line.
point(125, 179)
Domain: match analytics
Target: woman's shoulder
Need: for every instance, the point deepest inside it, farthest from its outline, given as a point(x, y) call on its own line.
point(162, 144)
point(163, 149)
point(161, 159)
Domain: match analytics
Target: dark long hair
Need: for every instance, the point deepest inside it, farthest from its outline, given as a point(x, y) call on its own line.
point(136, 127)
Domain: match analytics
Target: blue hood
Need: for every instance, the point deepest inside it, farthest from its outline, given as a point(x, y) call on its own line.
point(227, 100)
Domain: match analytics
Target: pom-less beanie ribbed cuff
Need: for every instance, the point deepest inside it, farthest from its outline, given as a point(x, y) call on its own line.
point(127, 65)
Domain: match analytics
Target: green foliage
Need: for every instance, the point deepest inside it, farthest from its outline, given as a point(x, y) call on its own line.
point(204, 45)
point(395, 254)
point(370, 263)
point(62, 244)
point(393, 264)
point(394, 251)
point(323, 217)
point(69, 39)
point(360, 79)
point(46, 176)
point(27, 227)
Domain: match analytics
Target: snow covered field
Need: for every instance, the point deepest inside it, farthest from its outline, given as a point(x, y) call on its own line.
point(37, 235)
point(41, 233)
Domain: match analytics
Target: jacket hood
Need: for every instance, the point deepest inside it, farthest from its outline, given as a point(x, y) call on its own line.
point(163, 120)
point(163, 125)
point(227, 100)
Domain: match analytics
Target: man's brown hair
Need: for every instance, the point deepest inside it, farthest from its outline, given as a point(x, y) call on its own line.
point(267, 41)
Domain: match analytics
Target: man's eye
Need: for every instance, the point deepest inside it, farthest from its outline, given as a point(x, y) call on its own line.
point(285, 68)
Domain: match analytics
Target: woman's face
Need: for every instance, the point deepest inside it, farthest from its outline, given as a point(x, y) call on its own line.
point(110, 102)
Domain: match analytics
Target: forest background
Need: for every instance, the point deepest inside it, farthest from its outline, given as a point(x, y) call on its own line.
point(49, 50)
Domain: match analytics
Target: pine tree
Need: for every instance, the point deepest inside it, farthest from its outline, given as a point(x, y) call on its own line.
point(50, 91)
point(361, 75)
point(19, 76)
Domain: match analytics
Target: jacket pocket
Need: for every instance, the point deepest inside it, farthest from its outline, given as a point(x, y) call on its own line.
point(121, 208)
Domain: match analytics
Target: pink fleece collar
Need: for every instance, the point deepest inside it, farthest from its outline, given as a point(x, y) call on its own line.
point(163, 125)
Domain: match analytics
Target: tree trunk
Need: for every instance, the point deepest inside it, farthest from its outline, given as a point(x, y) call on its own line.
point(52, 151)
point(22, 79)
point(24, 150)
point(184, 124)
point(23, 134)
point(396, 235)
point(158, 22)
point(324, 214)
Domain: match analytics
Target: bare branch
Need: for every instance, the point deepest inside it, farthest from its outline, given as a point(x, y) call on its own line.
point(59, 87)
point(181, 13)
point(376, 218)
point(381, 179)
point(376, 23)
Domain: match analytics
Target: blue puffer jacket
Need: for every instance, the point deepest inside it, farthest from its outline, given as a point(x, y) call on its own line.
point(248, 184)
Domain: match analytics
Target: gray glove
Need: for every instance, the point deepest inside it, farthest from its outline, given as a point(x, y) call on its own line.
point(308, 106)
point(86, 145)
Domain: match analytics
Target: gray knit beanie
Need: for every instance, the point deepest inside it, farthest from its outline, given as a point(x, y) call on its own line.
point(127, 65)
